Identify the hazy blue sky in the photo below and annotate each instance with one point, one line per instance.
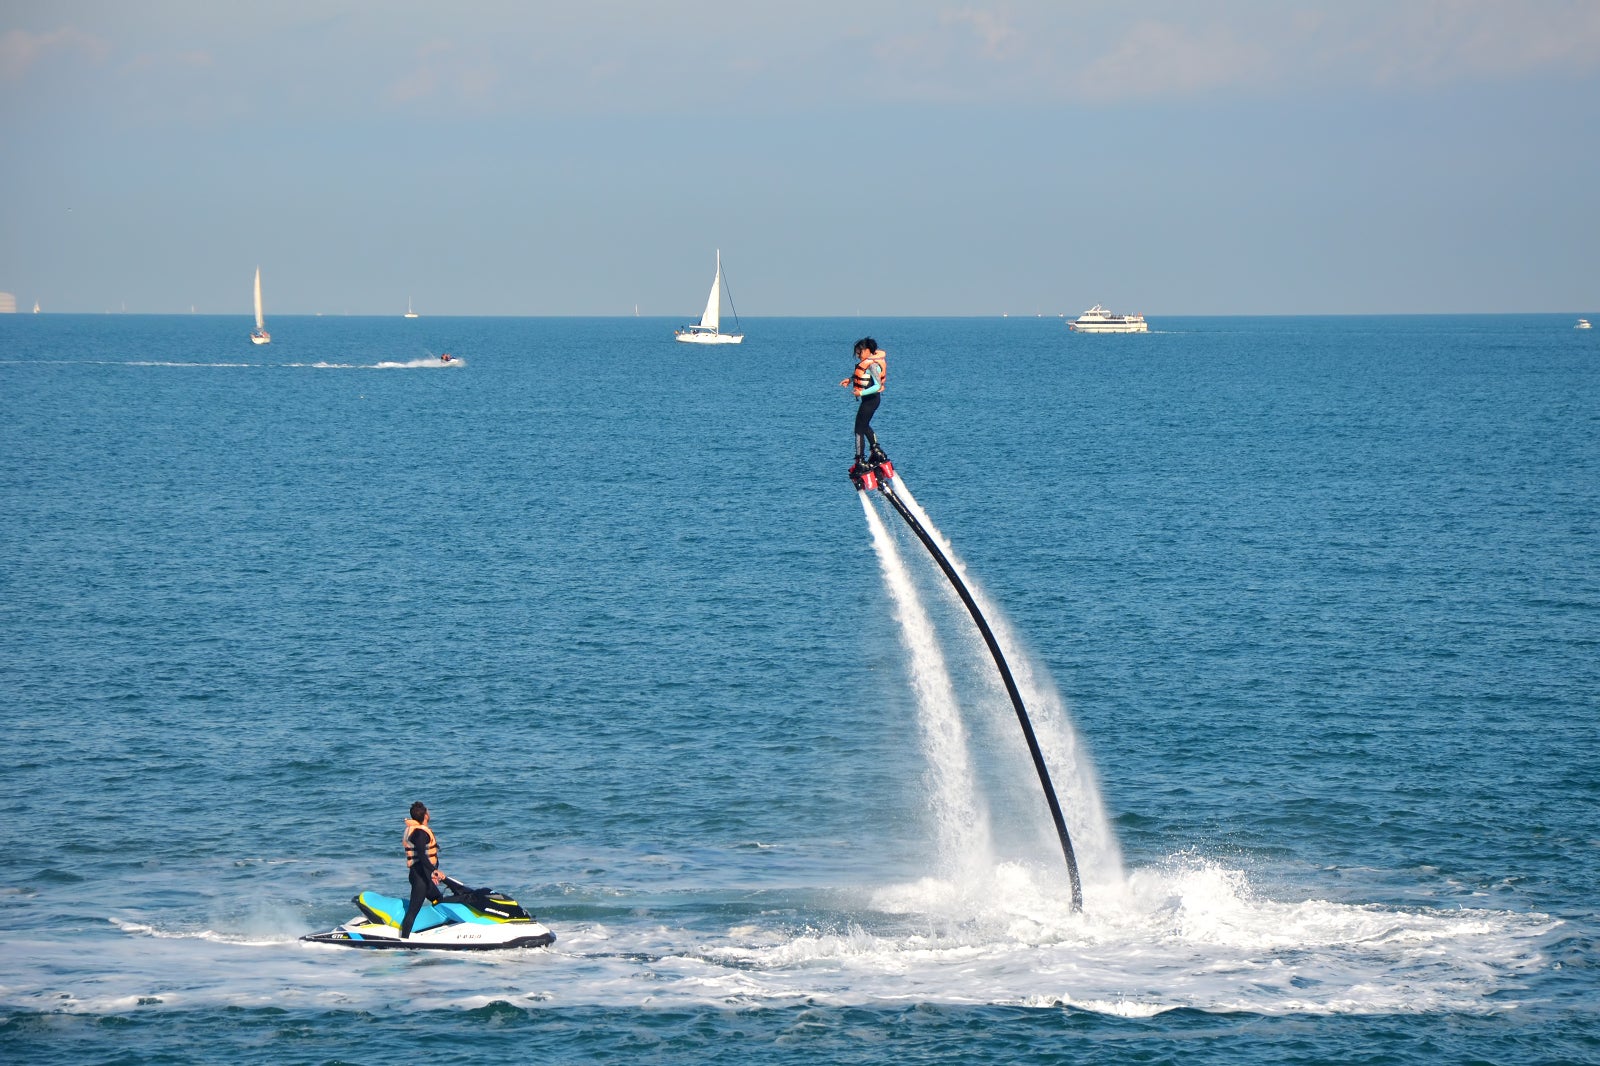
(882, 156)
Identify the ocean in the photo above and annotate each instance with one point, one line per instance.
(1305, 612)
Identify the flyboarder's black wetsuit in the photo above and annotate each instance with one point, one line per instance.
(422, 856)
(868, 380)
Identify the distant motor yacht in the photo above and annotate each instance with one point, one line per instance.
(1583, 323)
(1098, 320)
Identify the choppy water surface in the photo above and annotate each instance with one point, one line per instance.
(1306, 611)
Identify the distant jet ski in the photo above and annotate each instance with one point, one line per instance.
(469, 919)
(873, 473)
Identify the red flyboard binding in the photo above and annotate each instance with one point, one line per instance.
(872, 473)
(864, 476)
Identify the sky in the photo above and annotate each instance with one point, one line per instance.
(876, 157)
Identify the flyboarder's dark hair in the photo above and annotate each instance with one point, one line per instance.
(866, 344)
(418, 811)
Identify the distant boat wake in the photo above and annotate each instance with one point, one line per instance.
(418, 364)
(409, 364)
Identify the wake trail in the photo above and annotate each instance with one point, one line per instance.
(960, 822)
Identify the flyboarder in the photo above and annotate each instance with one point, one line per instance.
(867, 381)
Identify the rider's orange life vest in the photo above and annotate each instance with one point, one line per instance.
(433, 844)
(862, 379)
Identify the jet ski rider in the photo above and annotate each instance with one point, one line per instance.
(867, 381)
(422, 865)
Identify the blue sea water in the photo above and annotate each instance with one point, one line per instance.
(1307, 611)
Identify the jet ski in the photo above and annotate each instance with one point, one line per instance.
(873, 473)
(469, 919)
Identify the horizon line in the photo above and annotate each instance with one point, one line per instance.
(857, 314)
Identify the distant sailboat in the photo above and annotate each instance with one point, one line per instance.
(36, 307)
(259, 335)
(707, 331)
(409, 313)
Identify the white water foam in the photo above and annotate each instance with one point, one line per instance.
(961, 823)
(1072, 771)
(148, 362)
(1188, 933)
(409, 364)
(420, 364)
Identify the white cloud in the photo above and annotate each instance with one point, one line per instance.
(1441, 42)
(1021, 52)
(1359, 43)
(197, 59)
(1163, 59)
(444, 70)
(1000, 40)
(628, 56)
(20, 50)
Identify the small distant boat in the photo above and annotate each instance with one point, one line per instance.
(708, 330)
(36, 310)
(259, 335)
(1098, 320)
(1583, 323)
(409, 313)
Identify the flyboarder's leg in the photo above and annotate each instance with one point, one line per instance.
(865, 438)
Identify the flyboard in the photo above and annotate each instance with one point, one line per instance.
(469, 919)
(878, 474)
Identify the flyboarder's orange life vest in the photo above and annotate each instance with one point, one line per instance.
(433, 844)
(862, 379)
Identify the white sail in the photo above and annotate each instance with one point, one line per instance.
(712, 319)
(259, 335)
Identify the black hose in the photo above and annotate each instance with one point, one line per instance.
(1011, 690)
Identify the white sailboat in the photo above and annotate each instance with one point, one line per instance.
(259, 335)
(708, 330)
(409, 313)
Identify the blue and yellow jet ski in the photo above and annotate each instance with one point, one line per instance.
(469, 919)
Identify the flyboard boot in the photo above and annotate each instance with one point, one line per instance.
(881, 463)
(871, 471)
(863, 475)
